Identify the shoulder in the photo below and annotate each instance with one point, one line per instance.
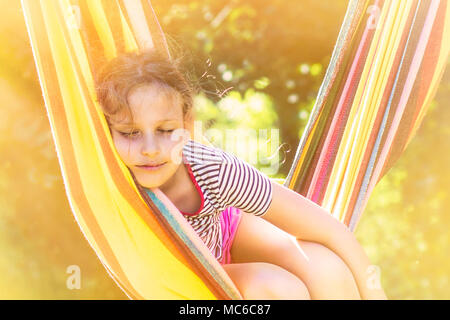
(205, 164)
(200, 154)
(234, 170)
(243, 186)
(196, 153)
(235, 182)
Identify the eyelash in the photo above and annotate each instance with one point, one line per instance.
(128, 135)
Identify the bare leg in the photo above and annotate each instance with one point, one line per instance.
(265, 281)
(325, 275)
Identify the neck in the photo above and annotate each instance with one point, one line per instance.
(172, 188)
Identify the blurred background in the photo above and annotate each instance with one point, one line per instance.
(269, 58)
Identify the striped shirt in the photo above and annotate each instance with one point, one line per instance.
(222, 180)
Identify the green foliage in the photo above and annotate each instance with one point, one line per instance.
(241, 124)
(258, 44)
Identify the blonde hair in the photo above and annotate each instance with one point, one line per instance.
(117, 77)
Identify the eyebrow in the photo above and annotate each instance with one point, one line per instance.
(127, 124)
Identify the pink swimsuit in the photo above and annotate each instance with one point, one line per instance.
(229, 221)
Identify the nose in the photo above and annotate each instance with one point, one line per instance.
(150, 146)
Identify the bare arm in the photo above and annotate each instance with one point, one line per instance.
(306, 220)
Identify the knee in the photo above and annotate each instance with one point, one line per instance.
(330, 271)
(272, 282)
(333, 269)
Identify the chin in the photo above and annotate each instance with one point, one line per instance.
(152, 181)
(149, 183)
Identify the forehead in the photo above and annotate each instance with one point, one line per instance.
(151, 104)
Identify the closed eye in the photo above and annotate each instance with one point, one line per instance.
(132, 134)
(128, 134)
(166, 131)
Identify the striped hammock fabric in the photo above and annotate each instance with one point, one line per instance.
(143, 241)
(383, 73)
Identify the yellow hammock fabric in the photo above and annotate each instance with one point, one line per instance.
(143, 241)
(151, 251)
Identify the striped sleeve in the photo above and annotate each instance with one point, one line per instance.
(243, 186)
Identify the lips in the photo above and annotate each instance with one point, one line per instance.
(151, 165)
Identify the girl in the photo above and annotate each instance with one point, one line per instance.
(273, 242)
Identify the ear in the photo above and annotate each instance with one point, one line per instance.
(189, 118)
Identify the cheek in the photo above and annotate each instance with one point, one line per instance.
(126, 150)
(174, 150)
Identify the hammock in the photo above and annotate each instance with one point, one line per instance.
(384, 71)
(383, 74)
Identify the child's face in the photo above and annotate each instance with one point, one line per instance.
(157, 136)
